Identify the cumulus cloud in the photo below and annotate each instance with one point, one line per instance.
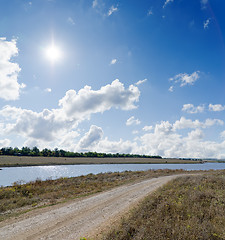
(87, 101)
(166, 141)
(216, 107)
(113, 61)
(141, 81)
(94, 141)
(112, 10)
(190, 108)
(185, 79)
(164, 128)
(53, 125)
(43, 126)
(132, 121)
(9, 87)
(4, 143)
(188, 123)
(167, 2)
(121, 146)
(206, 23)
(196, 134)
(90, 139)
(147, 128)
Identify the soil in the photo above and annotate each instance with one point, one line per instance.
(87, 217)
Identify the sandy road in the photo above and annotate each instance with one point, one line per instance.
(82, 217)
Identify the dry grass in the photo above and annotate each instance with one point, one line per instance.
(191, 207)
(18, 198)
(16, 161)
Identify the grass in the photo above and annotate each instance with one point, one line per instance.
(190, 207)
(19, 198)
(17, 161)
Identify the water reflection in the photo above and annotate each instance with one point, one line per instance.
(25, 174)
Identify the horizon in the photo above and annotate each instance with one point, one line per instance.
(114, 76)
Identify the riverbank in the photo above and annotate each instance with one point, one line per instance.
(191, 207)
(83, 217)
(19, 198)
(21, 161)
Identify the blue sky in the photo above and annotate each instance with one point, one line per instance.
(143, 77)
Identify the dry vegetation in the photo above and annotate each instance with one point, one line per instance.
(19, 198)
(16, 161)
(191, 207)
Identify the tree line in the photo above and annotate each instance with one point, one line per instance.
(26, 151)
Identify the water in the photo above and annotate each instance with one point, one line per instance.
(25, 174)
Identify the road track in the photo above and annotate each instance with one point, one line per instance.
(81, 218)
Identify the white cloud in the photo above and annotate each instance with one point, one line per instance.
(94, 3)
(216, 107)
(55, 124)
(48, 90)
(188, 123)
(222, 134)
(90, 139)
(166, 2)
(147, 128)
(93, 141)
(120, 146)
(4, 143)
(70, 20)
(171, 88)
(206, 23)
(9, 87)
(132, 121)
(67, 140)
(112, 10)
(196, 134)
(186, 79)
(150, 12)
(141, 81)
(87, 101)
(190, 108)
(113, 61)
(164, 128)
(135, 132)
(166, 141)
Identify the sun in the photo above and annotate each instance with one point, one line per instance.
(53, 53)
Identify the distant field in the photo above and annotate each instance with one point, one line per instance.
(13, 161)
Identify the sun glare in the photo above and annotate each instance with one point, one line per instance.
(53, 53)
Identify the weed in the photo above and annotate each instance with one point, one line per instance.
(49, 192)
(191, 207)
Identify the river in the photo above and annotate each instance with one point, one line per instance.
(26, 174)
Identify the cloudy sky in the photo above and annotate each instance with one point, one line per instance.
(125, 76)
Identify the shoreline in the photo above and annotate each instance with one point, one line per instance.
(24, 161)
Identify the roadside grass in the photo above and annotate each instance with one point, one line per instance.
(190, 207)
(20, 198)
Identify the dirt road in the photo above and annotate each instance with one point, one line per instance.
(82, 217)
